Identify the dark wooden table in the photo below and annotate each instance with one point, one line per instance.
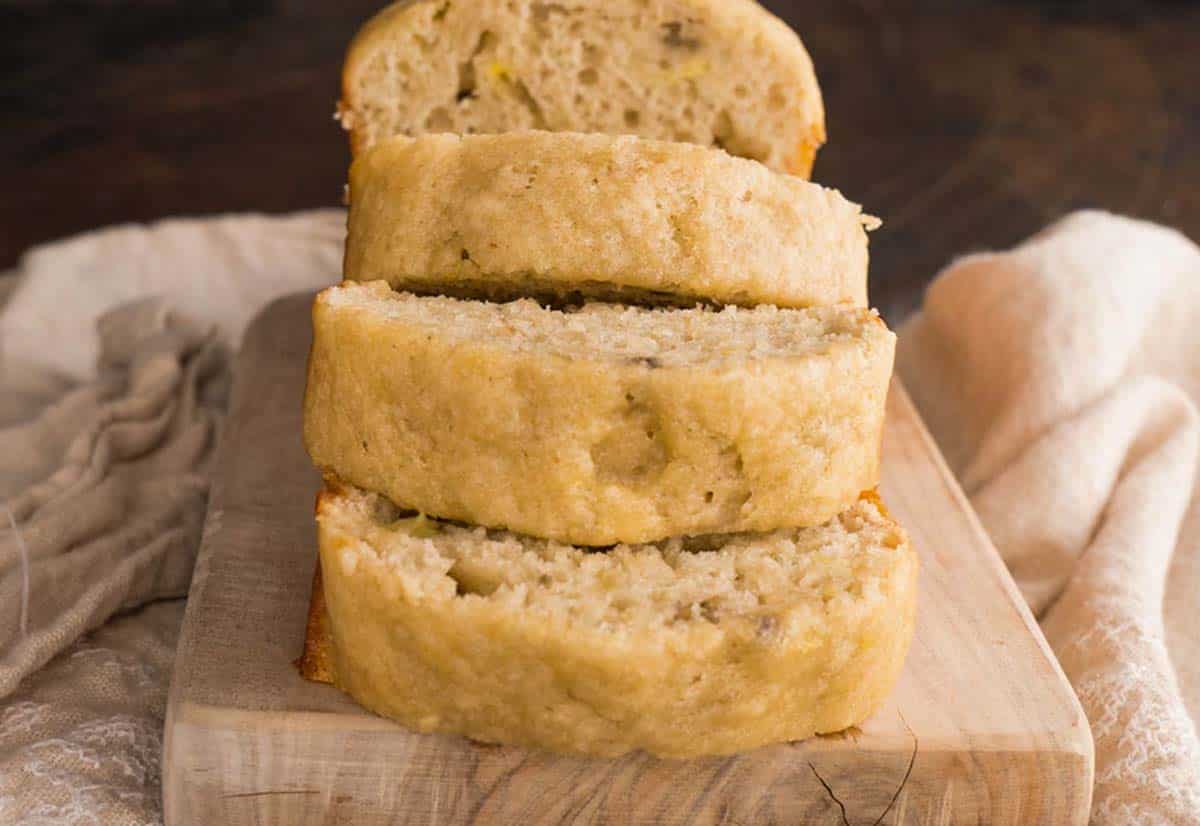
(963, 124)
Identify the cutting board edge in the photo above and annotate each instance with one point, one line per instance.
(233, 774)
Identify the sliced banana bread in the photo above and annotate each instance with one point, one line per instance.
(618, 218)
(599, 425)
(682, 648)
(714, 72)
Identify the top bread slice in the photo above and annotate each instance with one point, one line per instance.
(613, 218)
(721, 73)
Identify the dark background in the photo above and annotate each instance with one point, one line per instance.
(963, 124)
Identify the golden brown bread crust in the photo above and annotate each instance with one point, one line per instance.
(316, 661)
(806, 152)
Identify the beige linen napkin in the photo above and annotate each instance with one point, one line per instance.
(220, 271)
(113, 370)
(1061, 381)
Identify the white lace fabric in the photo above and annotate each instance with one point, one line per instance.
(81, 739)
(1061, 380)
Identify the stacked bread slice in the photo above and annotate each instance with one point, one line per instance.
(682, 647)
(599, 418)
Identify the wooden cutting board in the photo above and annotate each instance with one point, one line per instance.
(983, 727)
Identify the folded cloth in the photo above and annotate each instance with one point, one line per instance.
(1061, 380)
(113, 374)
(219, 271)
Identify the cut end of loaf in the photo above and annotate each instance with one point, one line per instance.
(722, 73)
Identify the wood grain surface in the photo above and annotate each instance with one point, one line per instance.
(965, 125)
(982, 727)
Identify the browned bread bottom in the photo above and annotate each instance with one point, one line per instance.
(316, 662)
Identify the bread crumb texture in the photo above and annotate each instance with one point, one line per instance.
(723, 73)
(602, 424)
(614, 218)
(685, 647)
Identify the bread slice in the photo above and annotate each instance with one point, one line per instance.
(599, 425)
(721, 73)
(556, 215)
(681, 648)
